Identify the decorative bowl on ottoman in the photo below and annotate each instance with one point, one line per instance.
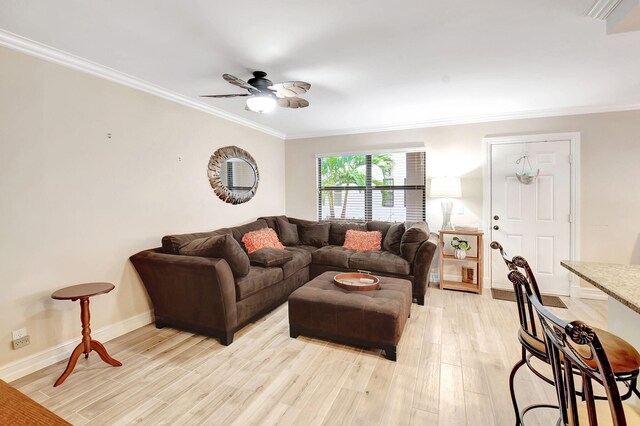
(373, 318)
(357, 281)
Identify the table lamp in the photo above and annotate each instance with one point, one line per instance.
(446, 188)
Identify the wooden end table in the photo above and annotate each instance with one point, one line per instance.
(478, 261)
(83, 292)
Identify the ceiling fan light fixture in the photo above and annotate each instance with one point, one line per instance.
(261, 104)
(264, 96)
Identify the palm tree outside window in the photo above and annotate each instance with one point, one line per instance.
(363, 187)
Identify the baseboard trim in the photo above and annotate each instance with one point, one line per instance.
(546, 293)
(575, 292)
(47, 357)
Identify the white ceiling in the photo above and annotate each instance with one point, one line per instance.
(372, 64)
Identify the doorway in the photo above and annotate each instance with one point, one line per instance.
(530, 206)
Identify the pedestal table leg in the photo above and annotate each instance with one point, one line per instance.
(87, 344)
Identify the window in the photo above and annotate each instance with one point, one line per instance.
(387, 186)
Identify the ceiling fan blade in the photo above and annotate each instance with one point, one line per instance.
(291, 89)
(225, 96)
(236, 81)
(293, 102)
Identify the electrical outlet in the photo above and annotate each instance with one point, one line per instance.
(21, 342)
(17, 334)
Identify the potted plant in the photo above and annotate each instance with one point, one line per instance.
(461, 247)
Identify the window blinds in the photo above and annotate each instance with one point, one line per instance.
(365, 187)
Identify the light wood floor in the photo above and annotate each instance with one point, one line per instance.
(453, 365)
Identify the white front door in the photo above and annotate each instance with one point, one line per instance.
(534, 220)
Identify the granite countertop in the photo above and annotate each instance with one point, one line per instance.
(622, 282)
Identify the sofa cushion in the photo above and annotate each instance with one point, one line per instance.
(363, 240)
(300, 259)
(296, 221)
(239, 231)
(258, 278)
(316, 234)
(339, 229)
(332, 256)
(256, 240)
(288, 232)
(269, 257)
(379, 261)
(272, 221)
(376, 225)
(412, 238)
(219, 246)
(171, 243)
(393, 238)
(310, 249)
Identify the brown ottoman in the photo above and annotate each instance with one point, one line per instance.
(362, 318)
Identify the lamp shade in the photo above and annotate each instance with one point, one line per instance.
(445, 187)
(261, 103)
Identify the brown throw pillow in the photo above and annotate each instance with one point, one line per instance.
(269, 257)
(272, 221)
(393, 238)
(316, 234)
(171, 243)
(220, 246)
(288, 232)
(411, 240)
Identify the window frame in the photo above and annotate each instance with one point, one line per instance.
(368, 188)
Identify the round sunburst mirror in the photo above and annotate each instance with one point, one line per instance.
(233, 175)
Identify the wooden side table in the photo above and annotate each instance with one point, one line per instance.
(83, 292)
(478, 261)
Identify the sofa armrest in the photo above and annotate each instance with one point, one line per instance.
(422, 264)
(189, 290)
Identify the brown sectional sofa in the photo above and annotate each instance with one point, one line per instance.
(202, 294)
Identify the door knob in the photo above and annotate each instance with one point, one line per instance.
(496, 217)
(496, 227)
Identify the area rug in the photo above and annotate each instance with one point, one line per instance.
(509, 295)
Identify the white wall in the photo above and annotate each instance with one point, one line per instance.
(610, 148)
(75, 204)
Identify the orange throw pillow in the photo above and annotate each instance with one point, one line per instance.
(255, 240)
(362, 240)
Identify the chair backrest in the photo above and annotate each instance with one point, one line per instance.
(562, 339)
(525, 310)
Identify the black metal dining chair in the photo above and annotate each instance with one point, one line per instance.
(575, 349)
(625, 359)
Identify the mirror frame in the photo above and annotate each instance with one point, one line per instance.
(215, 167)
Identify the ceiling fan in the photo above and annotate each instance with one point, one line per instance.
(263, 95)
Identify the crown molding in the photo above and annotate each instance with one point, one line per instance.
(601, 9)
(48, 53)
(453, 121)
